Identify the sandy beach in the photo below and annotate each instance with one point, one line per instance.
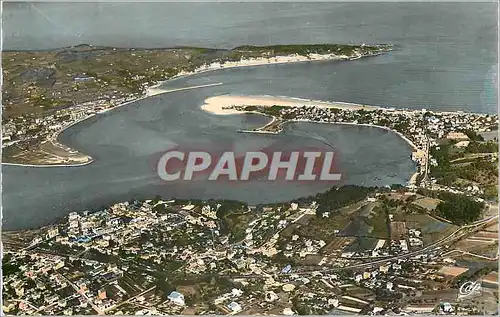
(217, 104)
(258, 61)
(294, 58)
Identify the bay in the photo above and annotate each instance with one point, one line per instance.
(444, 59)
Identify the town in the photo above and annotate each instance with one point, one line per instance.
(250, 158)
(31, 139)
(349, 250)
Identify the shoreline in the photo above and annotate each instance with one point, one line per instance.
(412, 180)
(364, 125)
(150, 92)
(261, 61)
(154, 90)
(219, 105)
(224, 105)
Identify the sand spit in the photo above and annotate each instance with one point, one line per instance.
(220, 104)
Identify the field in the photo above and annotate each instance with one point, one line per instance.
(378, 221)
(483, 249)
(362, 244)
(427, 203)
(398, 230)
(432, 229)
(37, 82)
(337, 245)
(323, 228)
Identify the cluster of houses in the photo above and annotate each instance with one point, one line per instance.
(30, 130)
(72, 267)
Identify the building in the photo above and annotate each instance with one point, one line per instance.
(102, 294)
(419, 309)
(287, 269)
(83, 78)
(234, 307)
(288, 312)
(177, 298)
(446, 307)
(384, 268)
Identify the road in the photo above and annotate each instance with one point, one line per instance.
(82, 293)
(426, 168)
(128, 300)
(453, 236)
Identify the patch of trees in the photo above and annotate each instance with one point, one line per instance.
(482, 147)
(491, 192)
(442, 156)
(273, 111)
(9, 268)
(473, 135)
(160, 209)
(337, 197)
(299, 307)
(225, 210)
(470, 169)
(459, 209)
(305, 49)
(230, 206)
(251, 108)
(163, 285)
